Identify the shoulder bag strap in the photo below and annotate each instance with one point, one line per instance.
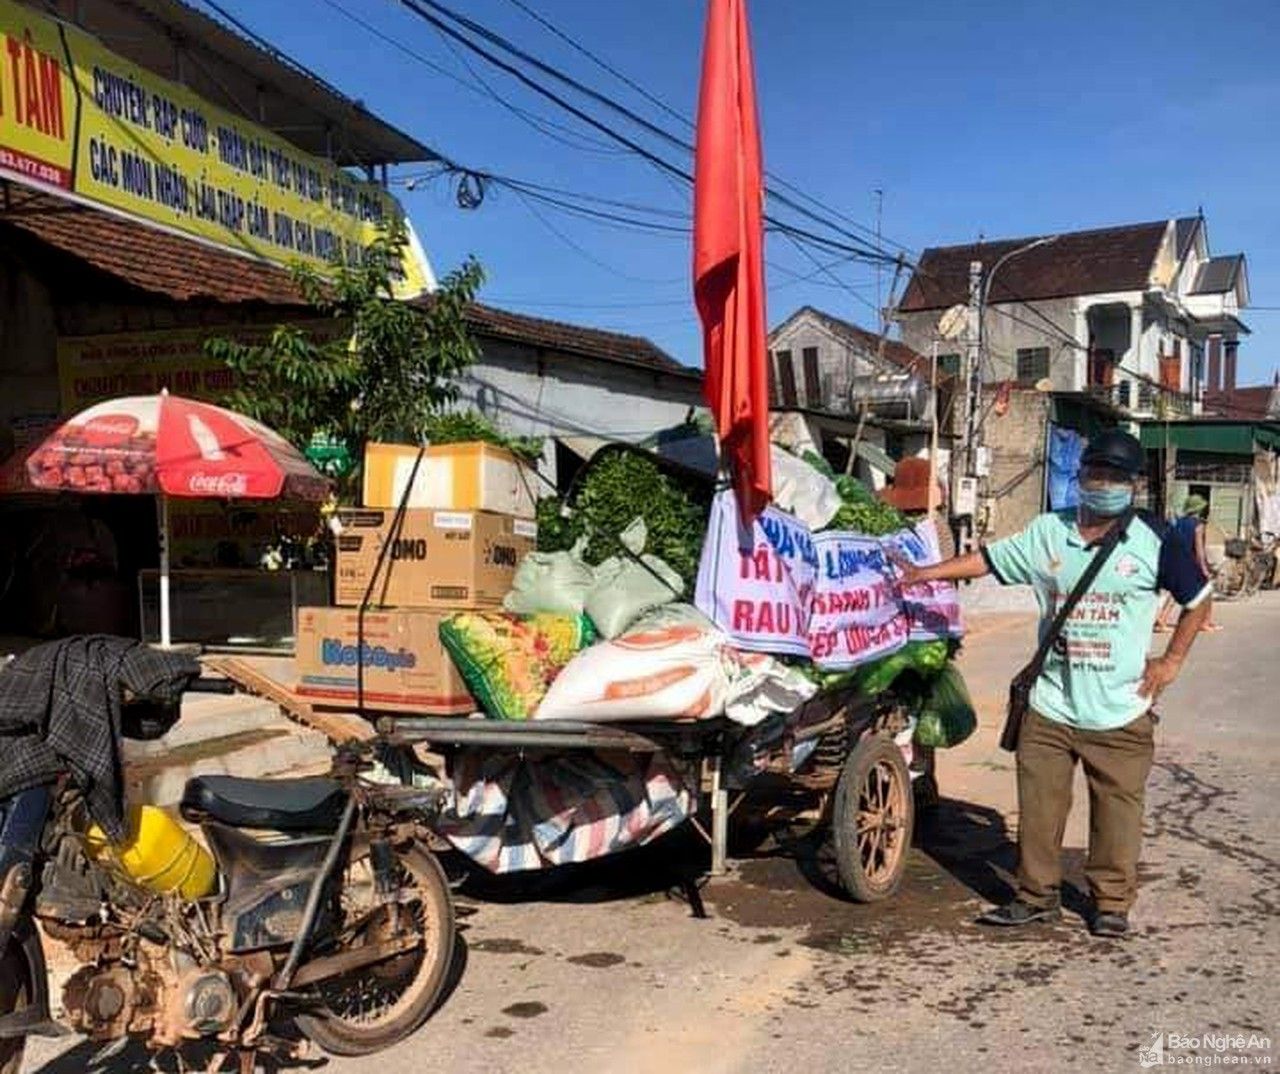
(1096, 564)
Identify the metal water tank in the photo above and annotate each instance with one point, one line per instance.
(900, 396)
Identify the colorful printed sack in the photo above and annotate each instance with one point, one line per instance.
(509, 661)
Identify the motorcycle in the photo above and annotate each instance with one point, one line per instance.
(319, 915)
(1249, 565)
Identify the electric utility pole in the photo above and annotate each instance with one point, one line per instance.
(973, 368)
(972, 405)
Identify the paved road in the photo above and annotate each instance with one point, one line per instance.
(611, 974)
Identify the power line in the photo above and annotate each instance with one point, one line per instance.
(603, 64)
(419, 8)
(684, 119)
(577, 247)
(549, 127)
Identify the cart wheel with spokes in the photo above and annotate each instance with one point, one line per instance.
(872, 819)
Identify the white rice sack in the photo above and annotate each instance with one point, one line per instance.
(624, 590)
(803, 491)
(669, 665)
(760, 685)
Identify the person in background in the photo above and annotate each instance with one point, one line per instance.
(1092, 703)
(1191, 528)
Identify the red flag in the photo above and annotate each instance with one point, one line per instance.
(728, 253)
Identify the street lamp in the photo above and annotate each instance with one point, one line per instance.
(978, 337)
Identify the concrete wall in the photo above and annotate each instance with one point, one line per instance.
(1005, 336)
(531, 393)
(1015, 488)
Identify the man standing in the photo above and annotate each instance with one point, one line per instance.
(1092, 702)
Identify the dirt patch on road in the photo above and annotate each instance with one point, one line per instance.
(963, 858)
(500, 945)
(598, 960)
(525, 1010)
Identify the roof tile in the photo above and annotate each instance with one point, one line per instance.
(1075, 263)
(181, 269)
(147, 258)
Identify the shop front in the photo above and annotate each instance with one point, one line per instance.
(1231, 464)
(144, 211)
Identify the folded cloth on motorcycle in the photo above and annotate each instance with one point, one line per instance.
(60, 712)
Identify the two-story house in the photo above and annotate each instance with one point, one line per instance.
(1079, 329)
(1141, 315)
(855, 387)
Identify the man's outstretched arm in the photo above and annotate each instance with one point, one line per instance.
(970, 565)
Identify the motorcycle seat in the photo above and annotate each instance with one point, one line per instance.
(281, 805)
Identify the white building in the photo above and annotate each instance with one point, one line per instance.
(575, 386)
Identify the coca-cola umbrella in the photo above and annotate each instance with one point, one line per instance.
(164, 445)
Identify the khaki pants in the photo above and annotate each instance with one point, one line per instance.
(1116, 764)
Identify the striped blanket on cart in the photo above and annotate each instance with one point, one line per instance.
(512, 814)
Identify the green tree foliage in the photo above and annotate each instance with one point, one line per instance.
(385, 379)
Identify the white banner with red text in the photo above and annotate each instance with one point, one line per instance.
(832, 597)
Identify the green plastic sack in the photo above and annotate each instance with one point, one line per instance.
(550, 583)
(509, 661)
(625, 590)
(948, 717)
(925, 657)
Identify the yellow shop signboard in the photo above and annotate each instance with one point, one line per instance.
(77, 118)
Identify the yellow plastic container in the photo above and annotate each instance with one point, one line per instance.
(157, 854)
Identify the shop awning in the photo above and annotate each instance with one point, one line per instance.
(1222, 437)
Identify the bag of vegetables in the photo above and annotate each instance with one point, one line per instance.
(947, 717)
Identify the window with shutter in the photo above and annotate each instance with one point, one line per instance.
(787, 378)
(812, 379)
(1033, 364)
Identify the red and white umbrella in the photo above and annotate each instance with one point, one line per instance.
(165, 445)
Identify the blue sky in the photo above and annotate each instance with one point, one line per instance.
(983, 118)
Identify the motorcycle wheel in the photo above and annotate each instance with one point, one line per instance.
(374, 1007)
(15, 994)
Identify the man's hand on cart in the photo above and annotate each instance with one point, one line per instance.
(908, 573)
(969, 565)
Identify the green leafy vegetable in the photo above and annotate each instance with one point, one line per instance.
(617, 490)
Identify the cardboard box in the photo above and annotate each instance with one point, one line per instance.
(450, 560)
(406, 667)
(452, 477)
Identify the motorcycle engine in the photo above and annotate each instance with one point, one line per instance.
(106, 1002)
(203, 1004)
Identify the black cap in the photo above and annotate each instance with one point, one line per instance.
(1115, 449)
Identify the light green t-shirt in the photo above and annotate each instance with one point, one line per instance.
(1091, 677)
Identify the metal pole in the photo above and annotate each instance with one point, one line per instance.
(719, 819)
(933, 433)
(973, 367)
(166, 626)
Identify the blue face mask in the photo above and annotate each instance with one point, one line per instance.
(1106, 502)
